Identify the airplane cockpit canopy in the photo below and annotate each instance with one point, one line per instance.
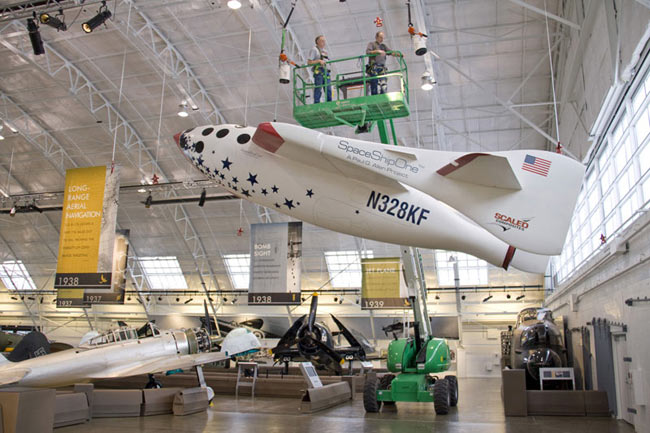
(124, 333)
(532, 313)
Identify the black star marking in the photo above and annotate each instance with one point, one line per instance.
(289, 203)
(264, 191)
(216, 172)
(277, 205)
(275, 189)
(222, 176)
(309, 193)
(226, 164)
(234, 179)
(245, 192)
(234, 188)
(252, 178)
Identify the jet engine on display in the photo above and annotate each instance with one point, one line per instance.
(121, 352)
(509, 208)
(308, 340)
(536, 342)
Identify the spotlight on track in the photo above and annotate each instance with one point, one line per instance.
(102, 15)
(463, 297)
(54, 21)
(508, 296)
(427, 81)
(12, 212)
(225, 300)
(487, 298)
(336, 299)
(234, 4)
(188, 301)
(159, 298)
(202, 198)
(437, 297)
(148, 201)
(234, 301)
(520, 297)
(35, 37)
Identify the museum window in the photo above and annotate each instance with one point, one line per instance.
(14, 276)
(163, 273)
(617, 182)
(471, 271)
(344, 267)
(238, 267)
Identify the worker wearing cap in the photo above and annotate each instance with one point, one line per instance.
(377, 63)
(318, 58)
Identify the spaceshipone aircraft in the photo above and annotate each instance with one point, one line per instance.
(123, 352)
(509, 208)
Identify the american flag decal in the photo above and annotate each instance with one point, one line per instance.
(536, 165)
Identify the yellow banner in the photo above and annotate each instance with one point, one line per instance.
(81, 222)
(380, 284)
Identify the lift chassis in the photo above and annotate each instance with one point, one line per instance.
(414, 362)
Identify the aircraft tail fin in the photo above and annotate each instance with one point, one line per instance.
(525, 198)
(32, 345)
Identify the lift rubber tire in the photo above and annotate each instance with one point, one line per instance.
(384, 383)
(370, 402)
(453, 390)
(441, 396)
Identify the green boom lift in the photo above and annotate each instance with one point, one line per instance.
(415, 363)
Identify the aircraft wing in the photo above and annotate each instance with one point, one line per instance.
(161, 365)
(13, 375)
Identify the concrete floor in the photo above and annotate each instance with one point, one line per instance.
(479, 410)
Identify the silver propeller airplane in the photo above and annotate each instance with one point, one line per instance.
(121, 352)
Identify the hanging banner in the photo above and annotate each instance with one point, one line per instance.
(276, 252)
(382, 284)
(87, 237)
(118, 278)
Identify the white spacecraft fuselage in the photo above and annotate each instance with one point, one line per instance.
(386, 193)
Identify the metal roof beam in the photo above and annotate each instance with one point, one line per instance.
(546, 13)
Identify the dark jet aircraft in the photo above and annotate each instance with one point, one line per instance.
(308, 340)
(537, 342)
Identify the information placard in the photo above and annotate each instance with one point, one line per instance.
(276, 254)
(382, 284)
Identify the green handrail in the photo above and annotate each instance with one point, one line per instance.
(301, 85)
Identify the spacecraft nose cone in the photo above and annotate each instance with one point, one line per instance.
(177, 139)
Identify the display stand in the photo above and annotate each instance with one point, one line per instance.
(318, 397)
(241, 377)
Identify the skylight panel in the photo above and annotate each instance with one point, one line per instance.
(14, 276)
(163, 273)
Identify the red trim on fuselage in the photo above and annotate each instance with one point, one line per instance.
(267, 137)
(463, 160)
(509, 255)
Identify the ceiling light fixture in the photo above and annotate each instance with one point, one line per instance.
(2, 137)
(234, 4)
(148, 201)
(102, 15)
(54, 21)
(520, 297)
(188, 301)
(35, 37)
(202, 198)
(427, 81)
(183, 112)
